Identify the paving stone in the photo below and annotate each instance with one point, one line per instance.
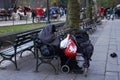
(102, 42)
(99, 56)
(5, 75)
(111, 51)
(62, 76)
(115, 60)
(28, 76)
(113, 47)
(112, 67)
(101, 48)
(111, 76)
(111, 60)
(90, 77)
(118, 56)
(118, 45)
(113, 42)
(97, 67)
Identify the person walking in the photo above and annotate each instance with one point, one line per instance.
(33, 15)
(111, 13)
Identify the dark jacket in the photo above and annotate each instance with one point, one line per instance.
(47, 35)
(33, 13)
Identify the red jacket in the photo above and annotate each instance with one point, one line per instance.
(39, 11)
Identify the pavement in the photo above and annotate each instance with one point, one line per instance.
(106, 40)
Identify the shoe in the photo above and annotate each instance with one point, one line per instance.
(113, 55)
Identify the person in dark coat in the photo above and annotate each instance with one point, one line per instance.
(33, 15)
(47, 35)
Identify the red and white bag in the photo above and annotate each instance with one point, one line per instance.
(63, 43)
(71, 48)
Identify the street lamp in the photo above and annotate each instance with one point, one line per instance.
(85, 3)
(48, 12)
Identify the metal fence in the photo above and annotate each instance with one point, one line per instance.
(24, 19)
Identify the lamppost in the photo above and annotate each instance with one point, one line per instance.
(85, 3)
(48, 12)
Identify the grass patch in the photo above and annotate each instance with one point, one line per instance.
(5, 29)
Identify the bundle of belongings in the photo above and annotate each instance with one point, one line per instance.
(78, 43)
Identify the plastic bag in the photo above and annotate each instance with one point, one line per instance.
(71, 49)
(63, 43)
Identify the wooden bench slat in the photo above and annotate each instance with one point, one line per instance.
(10, 50)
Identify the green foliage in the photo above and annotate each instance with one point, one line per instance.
(61, 3)
(108, 3)
(53, 2)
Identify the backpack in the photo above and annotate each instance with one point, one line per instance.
(84, 44)
(88, 50)
(81, 36)
(46, 50)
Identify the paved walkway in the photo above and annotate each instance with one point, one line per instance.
(106, 40)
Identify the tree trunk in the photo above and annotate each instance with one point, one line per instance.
(73, 14)
(89, 9)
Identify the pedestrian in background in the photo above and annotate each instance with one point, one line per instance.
(33, 15)
(111, 13)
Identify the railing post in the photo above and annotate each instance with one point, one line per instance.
(48, 12)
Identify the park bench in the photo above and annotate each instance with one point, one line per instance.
(89, 26)
(23, 42)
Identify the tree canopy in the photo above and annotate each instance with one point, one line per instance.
(108, 3)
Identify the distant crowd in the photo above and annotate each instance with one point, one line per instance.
(20, 13)
(109, 12)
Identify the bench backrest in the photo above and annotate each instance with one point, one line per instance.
(25, 37)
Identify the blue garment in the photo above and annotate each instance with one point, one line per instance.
(111, 11)
(54, 9)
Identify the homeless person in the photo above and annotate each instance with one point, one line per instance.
(47, 35)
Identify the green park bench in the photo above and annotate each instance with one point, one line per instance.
(23, 42)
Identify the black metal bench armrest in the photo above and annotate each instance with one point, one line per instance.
(7, 42)
(37, 42)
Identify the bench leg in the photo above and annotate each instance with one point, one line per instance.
(10, 59)
(46, 62)
(28, 50)
(37, 55)
(2, 67)
(37, 66)
(15, 63)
